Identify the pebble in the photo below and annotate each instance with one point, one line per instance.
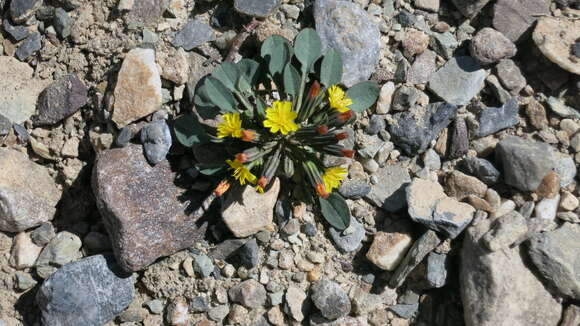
(482, 169)
(18, 33)
(296, 303)
(568, 202)
(250, 293)
(249, 254)
(309, 229)
(422, 68)
(62, 249)
(561, 109)
(203, 265)
(406, 97)
(510, 75)
(514, 18)
(444, 44)
(490, 46)
(505, 231)
(177, 312)
(156, 139)
(415, 42)
(389, 190)
(62, 23)
(537, 115)
(60, 100)
(24, 252)
(376, 124)
(460, 185)
(330, 299)
(257, 8)
(29, 46)
(492, 120)
(354, 189)
(21, 10)
(420, 249)
(405, 311)
(24, 281)
(389, 248)
(550, 186)
(436, 270)
(385, 98)
(218, 313)
(43, 234)
(155, 306)
(350, 239)
(458, 81)
(193, 34)
(547, 208)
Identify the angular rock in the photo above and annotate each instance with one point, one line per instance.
(193, 34)
(296, 303)
(389, 248)
(156, 139)
(451, 217)
(406, 97)
(561, 109)
(250, 293)
(248, 212)
(91, 291)
(348, 29)
(510, 75)
(389, 191)
(460, 186)
(555, 37)
(498, 289)
(354, 189)
(421, 248)
(24, 252)
(505, 231)
(5, 125)
(203, 265)
(482, 169)
(62, 23)
(470, 7)
(458, 81)
(330, 299)
(28, 194)
(256, 8)
(61, 250)
(513, 18)
(444, 44)
(348, 240)
(147, 12)
(490, 46)
(492, 120)
(249, 254)
(18, 33)
(459, 145)
(60, 100)
(21, 10)
(436, 270)
(423, 68)
(29, 46)
(138, 90)
(142, 207)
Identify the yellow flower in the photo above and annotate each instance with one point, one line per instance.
(338, 99)
(260, 189)
(241, 173)
(231, 126)
(332, 177)
(280, 117)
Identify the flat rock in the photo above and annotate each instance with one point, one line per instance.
(62, 249)
(18, 89)
(498, 289)
(389, 192)
(256, 8)
(29, 46)
(349, 239)
(60, 100)
(21, 10)
(347, 28)
(420, 249)
(138, 89)
(248, 212)
(490, 46)
(555, 37)
(18, 33)
(147, 12)
(142, 208)
(422, 68)
(556, 255)
(505, 231)
(28, 194)
(458, 81)
(91, 291)
(156, 139)
(193, 34)
(510, 75)
(389, 248)
(250, 293)
(513, 18)
(330, 299)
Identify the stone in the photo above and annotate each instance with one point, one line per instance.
(177, 312)
(482, 169)
(458, 81)
(203, 265)
(330, 299)
(415, 42)
(61, 250)
(138, 89)
(546, 209)
(296, 304)
(193, 34)
(385, 98)
(249, 254)
(175, 66)
(29, 46)
(444, 44)
(156, 139)
(571, 316)
(218, 313)
(561, 109)
(248, 212)
(60, 100)
(28, 194)
(525, 163)
(5, 125)
(537, 115)
(43, 234)
(24, 281)
(348, 29)
(376, 125)
(250, 294)
(414, 130)
(348, 240)
(141, 207)
(388, 192)
(470, 8)
(498, 289)
(420, 249)
(199, 304)
(21, 10)
(389, 248)
(513, 18)
(406, 97)
(460, 185)
(492, 120)
(555, 37)
(354, 189)
(490, 46)
(459, 145)
(147, 12)
(505, 231)
(436, 270)
(565, 168)
(18, 33)
(405, 311)
(431, 160)
(91, 291)
(62, 23)
(510, 75)
(497, 89)
(256, 8)
(18, 90)
(24, 252)
(422, 68)
(568, 202)
(429, 5)
(550, 186)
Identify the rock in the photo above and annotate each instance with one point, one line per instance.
(199, 304)
(556, 256)
(175, 66)
(510, 75)
(256, 8)
(525, 163)
(24, 281)
(492, 120)
(156, 139)
(29, 46)
(414, 130)
(537, 115)
(406, 97)
(470, 7)
(61, 250)
(513, 18)
(490, 46)
(482, 169)
(547, 208)
(444, 44)
(431, 160)
(429, 5)
(550, 186)
(62, 23)
(458, 81)
(421, 248)
(5, 125)
(389, 248)
(138, 89)
(568, 202)
(354, 189)
(498, 289)
(505, 231)
(423, 68)
(28, 194)
(562, 109)
(141, 208)
(193, 34)
(421, 202)
(565, 168)
(349, 239)
(405, 311)
(250, 294)
(555, 37)
(218, 313)
(571, 316)
(459, 145)
(348, 29)
(24, 252)
(296, 303)
(389, 190)
(43, 234)
(18, 33)
(330, 299)
(247, 212)
(436, 270)
(203, 265)
(249, 254)
(385, 98)
(18, 90)
(60, 100)
(415, 42)
(91, 291)
(376, 125)
(147, 12)
(177, 312)
(21, 10)
(460, 185)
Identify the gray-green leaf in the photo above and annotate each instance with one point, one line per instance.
(308, 48)
(335, 210)
(219, 95)
(189, 131)
(363, 95)
(291, 80)
(277, 52)
(228, 74)
(331, 69)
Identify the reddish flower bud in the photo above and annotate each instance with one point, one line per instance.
(263, 182)
(341, 136)
(347, 153)
(321, 191)
(322, 130)
(345, 116)
(221, 188)
(314, 90)
(242, 157)
(248, 135)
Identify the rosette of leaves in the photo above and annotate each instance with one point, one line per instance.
(278, 116)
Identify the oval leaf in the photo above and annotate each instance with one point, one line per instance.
(189, 131)
(308, 48)
(291, 80)
(219, 95)
(277, 52)
(363, 95)
(250, 69)
(228, 74)
(335, 211)
(331, 69)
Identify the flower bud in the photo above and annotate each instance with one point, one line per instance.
(221, 188)
(345, 116)
(242, 157)
(322, 130)
(347, 153)
(321, 190)
(263, 182)
(249, 135)
(341, 136)
(314, 90)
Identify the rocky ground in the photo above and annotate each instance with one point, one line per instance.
(463, 192)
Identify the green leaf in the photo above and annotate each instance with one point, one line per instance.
(250, 69)
(227, 73)
(335, 211)
(308, 48)
(363, 95)
(211, 170)
(288, 166)
(203, 105)
(291, 80)
(260, 107)
(219, 95)
(277, 52)
(189, 131)
(331, 69)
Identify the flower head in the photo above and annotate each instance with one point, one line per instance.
(241, 173)
(231, 126)
(332, 177)
(280, 117)
(338, 99)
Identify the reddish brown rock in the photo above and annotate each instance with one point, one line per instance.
(143, 209)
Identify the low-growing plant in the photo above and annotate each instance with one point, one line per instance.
(278, 116)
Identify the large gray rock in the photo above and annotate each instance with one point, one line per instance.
(28, 194)
(556, 255)
(458, 81)
(498, 289)
(513, 18)
(348, 29)
(330, 299)
(60, 100)
(144, 211)
(257, 8)
(389, 192)
(91, 291)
